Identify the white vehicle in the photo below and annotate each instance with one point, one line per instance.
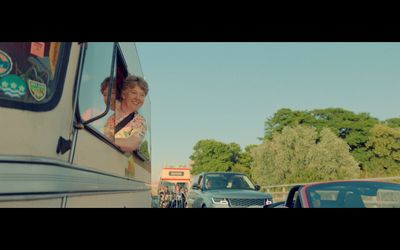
(173, 186)
(53, 151)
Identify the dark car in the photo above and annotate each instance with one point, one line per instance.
(343, 194)
(225, 190)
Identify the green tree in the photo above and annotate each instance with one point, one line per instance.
(384, 143)
(285, 117)
(211, 155)
(392, 122)
(301, 154)
(353, 128)
(245, 157)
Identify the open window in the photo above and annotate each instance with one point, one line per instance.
(103, 62)
(128, 64)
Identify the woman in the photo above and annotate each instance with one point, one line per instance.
(133, 94)
(97, 109)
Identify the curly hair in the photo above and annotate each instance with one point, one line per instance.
(132, 81)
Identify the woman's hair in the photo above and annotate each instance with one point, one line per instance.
(104, 84)
(104, 87)
(132, 81)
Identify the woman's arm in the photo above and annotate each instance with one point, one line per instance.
(133, 142)
(129, 144)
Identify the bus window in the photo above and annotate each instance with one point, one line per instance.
(96, 70)
(31, 74)
(145, 147)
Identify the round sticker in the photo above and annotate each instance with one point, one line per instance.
(5, 63)
(13, 86)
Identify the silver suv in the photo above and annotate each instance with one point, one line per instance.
(225, 190)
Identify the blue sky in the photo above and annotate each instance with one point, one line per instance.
(225, 91)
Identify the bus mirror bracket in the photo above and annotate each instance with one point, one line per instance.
(63, 145)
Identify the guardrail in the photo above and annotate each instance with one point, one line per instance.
(280, 192)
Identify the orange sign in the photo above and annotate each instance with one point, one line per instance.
(37, 49)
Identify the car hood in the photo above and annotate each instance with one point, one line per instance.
(237, 193)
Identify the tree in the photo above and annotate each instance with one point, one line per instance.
(245, 157)
(384, 143)
(353, 128)
(211, 155)
(285, 117)
(392, 122)
(301, 154)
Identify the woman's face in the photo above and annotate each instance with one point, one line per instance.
(133, 97)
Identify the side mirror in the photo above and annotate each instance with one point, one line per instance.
(257, 187)
(195, 187)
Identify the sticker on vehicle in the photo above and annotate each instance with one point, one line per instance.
(13, 86)
(37, 89)
(37, 49)
(5, 63)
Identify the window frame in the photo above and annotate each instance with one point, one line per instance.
(59, 77)
(117, 54)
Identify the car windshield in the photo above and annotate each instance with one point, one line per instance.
(354, 194)
(227, 181)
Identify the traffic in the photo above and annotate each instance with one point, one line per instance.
(236, 190)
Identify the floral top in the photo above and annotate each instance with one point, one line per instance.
(136, 127)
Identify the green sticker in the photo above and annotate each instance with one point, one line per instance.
(37, 89)
(13, 86)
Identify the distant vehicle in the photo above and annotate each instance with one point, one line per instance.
(225, 190)
(179, 176)
(173, 186)
(343, 194)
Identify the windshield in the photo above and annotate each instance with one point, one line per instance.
(227, 181)
(354, 194)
